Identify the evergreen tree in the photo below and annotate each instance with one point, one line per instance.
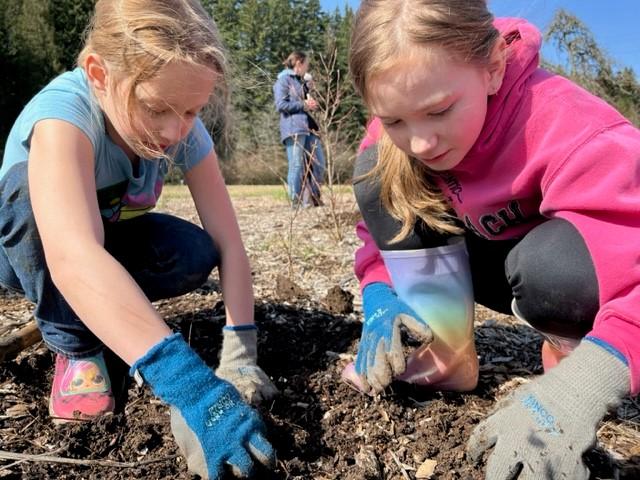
(28, 58)
(351, 107)
(259, 34)
(309, 26)
(70, 18)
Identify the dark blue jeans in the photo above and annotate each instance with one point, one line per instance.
(165, 255)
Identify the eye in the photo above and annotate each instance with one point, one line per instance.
(442, 112)
(391, 123)
(153, 112)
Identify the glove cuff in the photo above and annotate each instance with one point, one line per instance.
(592, 373)
(378, 289)
(239, 346)
(176, 374)
(375, 295)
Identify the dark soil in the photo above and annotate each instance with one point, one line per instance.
(320, 426)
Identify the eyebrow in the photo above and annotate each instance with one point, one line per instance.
(160, 102)
(444, 99)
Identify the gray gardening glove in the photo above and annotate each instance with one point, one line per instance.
(238, 364)
(544, 427)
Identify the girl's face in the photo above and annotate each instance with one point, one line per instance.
(433, 107)
(164, 107)
(301, 67)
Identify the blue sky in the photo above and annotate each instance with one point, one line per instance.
(615, 24)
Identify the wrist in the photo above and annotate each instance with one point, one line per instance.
(239, 345)
(378, 288)
(170, 365)
(239, 328)
(378, 293)
(590, 381)
(608, 347)
(591, 364)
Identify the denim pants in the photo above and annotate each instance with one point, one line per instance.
(306, 165)
(165, 255)
(549, 272)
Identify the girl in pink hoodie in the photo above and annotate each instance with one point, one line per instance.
(473, 144)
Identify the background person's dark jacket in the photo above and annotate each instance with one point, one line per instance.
(289, 93)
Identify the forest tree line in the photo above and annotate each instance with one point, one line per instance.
(41, 38)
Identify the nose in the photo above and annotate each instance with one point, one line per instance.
(422, 143)
(174, 130)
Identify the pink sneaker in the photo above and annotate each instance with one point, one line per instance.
(81, 389)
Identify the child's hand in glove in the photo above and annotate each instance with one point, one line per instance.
(544, 427)
(380, 354)
(238, 364)
(213, 427)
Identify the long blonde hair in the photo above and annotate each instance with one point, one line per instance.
(381, 31)
(139, 37)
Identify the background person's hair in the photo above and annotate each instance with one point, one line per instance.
(293, 58)
(136, 38)
(382, 31)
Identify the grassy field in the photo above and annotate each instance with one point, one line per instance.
(276, 192)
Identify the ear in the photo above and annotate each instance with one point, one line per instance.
(497, 66)
(97, 72)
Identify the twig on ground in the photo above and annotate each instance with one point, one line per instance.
(27, 457)
(11, 345)
(15, 464)
(400, 466)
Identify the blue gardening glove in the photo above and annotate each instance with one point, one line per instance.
(544, 427)
(238, 364)
(212, 426)
(380, 355)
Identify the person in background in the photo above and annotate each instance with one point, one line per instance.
(299, 132)
(83, 165)
(470, 137)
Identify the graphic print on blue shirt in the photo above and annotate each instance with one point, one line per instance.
(116, 202)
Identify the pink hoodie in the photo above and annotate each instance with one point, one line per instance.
(549, 149)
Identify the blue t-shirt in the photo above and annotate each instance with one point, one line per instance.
(122, 193)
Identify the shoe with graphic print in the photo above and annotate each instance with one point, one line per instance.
(81, 389)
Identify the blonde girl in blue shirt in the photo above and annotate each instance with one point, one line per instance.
(83, 165)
